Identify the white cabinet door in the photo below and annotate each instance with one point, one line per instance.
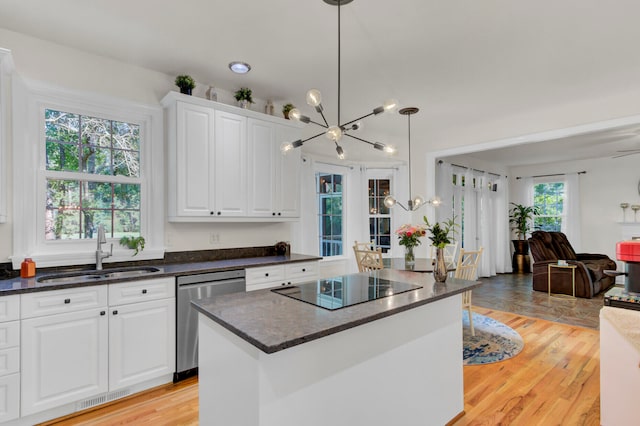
(64, 359)
(194, 155)
(141, 342)
(287, 187)
(230, 164)
(9, 397)
(262, 166)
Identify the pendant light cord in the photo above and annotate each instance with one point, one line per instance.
(409, 121)
(339, 25)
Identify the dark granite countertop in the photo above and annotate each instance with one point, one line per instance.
(25, 285)
(273, 322)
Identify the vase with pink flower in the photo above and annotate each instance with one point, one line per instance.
(409, 236)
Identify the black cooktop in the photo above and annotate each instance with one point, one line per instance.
(347, 290)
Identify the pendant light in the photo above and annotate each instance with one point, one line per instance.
(416, 202)
(335, 132)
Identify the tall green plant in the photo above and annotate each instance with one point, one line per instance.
(520, 218)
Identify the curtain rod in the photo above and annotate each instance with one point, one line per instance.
(554, 174)
(471, 168)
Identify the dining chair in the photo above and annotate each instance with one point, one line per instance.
(467, 269)
(368, 257)
(450, 251)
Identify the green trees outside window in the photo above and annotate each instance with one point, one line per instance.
(549, 199)
(93, 173)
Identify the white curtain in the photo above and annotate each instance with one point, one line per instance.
(571, 226)
(503, 238)
(479, 203)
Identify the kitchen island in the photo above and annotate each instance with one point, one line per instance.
(267, 359)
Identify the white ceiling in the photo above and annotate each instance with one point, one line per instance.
(459, 61)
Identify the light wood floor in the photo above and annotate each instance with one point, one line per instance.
(555, 380)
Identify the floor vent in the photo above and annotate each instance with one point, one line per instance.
(107, 397)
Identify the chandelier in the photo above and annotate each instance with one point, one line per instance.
(336, 132)
(416, 202)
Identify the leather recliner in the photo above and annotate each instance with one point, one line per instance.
(549, 247)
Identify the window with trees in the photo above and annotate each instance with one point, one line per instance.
(92, 176)
(379, 214)
(330, 219)
(549, 199)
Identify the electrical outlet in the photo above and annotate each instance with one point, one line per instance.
(214, 238)
(168, 239)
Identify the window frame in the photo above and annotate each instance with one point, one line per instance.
(29, 144)
(332, 172)
(382, 175)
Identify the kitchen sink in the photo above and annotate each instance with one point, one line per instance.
(89, 276)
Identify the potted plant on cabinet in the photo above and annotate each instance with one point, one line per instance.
(243, 95)
(186, 84)
(520, 218)
(285, 110)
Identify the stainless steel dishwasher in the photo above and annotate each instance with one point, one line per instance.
(194, 287)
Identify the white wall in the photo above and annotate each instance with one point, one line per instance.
(68, 68)
(607, 183)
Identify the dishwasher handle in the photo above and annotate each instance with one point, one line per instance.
(210, 277)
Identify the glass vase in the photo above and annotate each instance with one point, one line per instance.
(409, 257)
(440, 266)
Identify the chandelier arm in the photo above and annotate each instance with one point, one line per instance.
(326, 126)
(398, 203)
(360, 139)
(358, 119)
(319, 124)
(312, 137)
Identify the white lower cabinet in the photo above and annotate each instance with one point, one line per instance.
(9, 358)
(141, 342)
(64, 359)
(79, 357)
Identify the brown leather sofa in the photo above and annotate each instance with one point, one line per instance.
(549, 247)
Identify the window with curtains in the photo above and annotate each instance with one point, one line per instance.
(549, 198)
(329, 191)
(379, 214)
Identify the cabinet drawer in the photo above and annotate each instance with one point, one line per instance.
(66, 300)
(9, 334)
(141, 291)
(10, 307)
(300, 272)
(9, 361)
(265, 274)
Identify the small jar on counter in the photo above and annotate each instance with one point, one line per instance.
(27, 268)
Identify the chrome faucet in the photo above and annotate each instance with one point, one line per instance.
(102, 239)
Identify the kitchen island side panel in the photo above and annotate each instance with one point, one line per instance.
(402, 369)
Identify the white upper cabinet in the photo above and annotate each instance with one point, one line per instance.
(195, 131)
(274, 179)
(262, 168)
(287, 187)
(230, 172)
(224, 163)
(6, 68)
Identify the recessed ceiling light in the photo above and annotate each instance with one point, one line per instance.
(239, 67)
